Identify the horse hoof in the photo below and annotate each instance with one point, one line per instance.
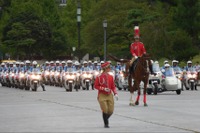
(131, 104)
(145, 104)
(136, 103)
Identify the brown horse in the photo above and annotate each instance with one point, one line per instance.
(139, 73)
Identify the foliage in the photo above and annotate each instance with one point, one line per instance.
(168, 28)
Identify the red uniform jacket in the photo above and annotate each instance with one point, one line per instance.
(105, 80)
(137, 49)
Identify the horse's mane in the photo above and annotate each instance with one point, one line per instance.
(117, 59)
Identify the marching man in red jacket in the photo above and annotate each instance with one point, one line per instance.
(105, 85)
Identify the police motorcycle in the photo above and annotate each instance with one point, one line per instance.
(16, 75)
(69, 80)
(78, 70)
(198, 77)
(1, 73)
(51, 73)
(154, 84)
(57, 74)
(35, 80)
(86, 77)
(21, 80)
(191, 79)
(35, 77)
(5, 78)
(169, 80)
(46, 73)
(121, 80)
(11, 75)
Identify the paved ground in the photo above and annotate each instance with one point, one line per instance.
(58, 111)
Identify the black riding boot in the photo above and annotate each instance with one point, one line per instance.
(43, 87)
(105, 119)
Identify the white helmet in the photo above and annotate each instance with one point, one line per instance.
(51, 62)
(27, 62)
(21, 63)
(69, 61)
(189, 62)
(46, 62)
(84, 62)
(77, 63)
(63, 62)
(156, 62)
(167, 65)
(118, 63)
(166, 61)
(102, 62)
(57, 62)
(95, 62)
(17, 63)
(34, 63)
(89, 61)
(11, 63)
(2, 63)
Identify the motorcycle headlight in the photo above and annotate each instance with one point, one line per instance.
(194, 76)
(96, 73)
(85, 75)
(189, 76)
(35, 77)
(21, 75)
(47, 73)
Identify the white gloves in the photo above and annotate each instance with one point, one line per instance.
(116, 97)
(107, 89)
(136, 57)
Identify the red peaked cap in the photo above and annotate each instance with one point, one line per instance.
(105, 65)
(136, 32)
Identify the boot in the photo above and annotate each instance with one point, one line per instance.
(105, 119)
(43, 87)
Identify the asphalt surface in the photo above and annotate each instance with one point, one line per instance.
(56, 110)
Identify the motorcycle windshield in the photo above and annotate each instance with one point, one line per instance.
(86, 69)
(169, 72)
(70, 70)
(177, 70)
(156, 67)
(192, 70)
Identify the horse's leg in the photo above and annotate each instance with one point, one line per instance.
(144, 93)
(131, 100)
(138, 96)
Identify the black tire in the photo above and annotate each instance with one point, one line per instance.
(192, 86)
(87, 85)
(149, 91)
(155, 92)
(117, 84)
(178, 92)
(34, 87)
(70, 87)
(195, 87)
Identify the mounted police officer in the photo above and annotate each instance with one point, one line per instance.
(137, 49)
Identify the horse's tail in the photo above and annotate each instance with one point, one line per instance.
(118, 60)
